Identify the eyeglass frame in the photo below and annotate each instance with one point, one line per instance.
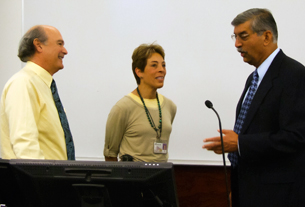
(246, 35)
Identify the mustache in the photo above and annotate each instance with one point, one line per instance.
(241, 50)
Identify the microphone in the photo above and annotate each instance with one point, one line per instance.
(210, 106)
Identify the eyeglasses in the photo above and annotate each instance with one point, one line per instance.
(243, 36)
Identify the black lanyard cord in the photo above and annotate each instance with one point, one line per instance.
(149, 117)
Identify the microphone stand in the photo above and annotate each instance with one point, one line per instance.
(210, 105)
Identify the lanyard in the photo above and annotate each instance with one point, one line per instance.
(149, 117)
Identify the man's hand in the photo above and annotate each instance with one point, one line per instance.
(230, 140)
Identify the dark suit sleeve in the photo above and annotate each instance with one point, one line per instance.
(277, 127)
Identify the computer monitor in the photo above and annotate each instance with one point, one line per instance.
(46, 183)
(8, 186)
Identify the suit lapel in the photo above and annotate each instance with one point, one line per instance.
(264, 87)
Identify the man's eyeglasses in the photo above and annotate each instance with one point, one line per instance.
(243, 36)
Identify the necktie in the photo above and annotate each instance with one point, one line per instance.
(64, 122)
(233, 156)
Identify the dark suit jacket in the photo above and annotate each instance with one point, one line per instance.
(271, 169)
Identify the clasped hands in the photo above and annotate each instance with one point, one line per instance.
(230, 142)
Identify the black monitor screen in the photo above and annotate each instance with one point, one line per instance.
(9, 191)
(46, 183)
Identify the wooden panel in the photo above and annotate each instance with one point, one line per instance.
(202, 186)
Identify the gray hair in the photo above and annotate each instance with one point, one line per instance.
(26, 47)
(262, 20)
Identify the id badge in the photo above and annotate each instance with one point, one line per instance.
(160, 147)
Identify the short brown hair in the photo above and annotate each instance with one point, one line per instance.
(140, 56)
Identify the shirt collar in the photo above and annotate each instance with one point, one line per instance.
(262, 69)
(41, 72)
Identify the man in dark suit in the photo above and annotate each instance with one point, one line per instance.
(267, 146)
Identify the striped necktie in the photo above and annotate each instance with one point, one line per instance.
(64, 123)
(233, 156)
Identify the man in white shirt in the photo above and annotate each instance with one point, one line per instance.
(266, 148)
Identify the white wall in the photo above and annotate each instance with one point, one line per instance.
(10, 34)
(202, 62)
(10, 28)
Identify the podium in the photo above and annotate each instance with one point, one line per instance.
(201, 185)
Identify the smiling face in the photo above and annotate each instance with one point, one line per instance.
(249, 44)
(154, 72)
(53, 50)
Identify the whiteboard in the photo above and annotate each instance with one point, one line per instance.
(202, 62)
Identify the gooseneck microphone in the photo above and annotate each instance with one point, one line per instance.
(210, 106)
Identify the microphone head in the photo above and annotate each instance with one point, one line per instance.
(209, 104)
